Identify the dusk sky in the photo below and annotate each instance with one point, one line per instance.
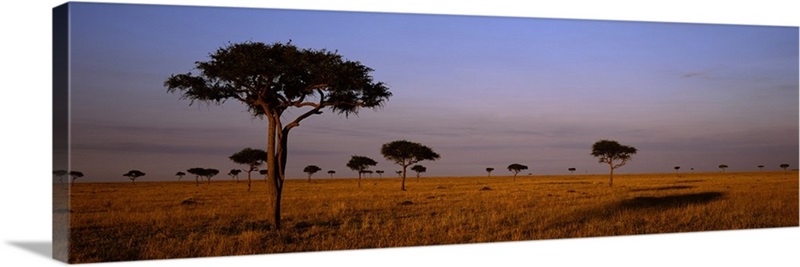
(481, 91)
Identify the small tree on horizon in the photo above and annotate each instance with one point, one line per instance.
(197, 172)
(180, 175)
(418, 169)
(723, 167)
(571, 170)
(60, 174)
(252, 158)
(133, 174)
(405, 153)
(516, 168)
(331, 172)
(784, 167)
(360, 164)
(399, 174)
(380, 173)
(676, 169)
(761, 167)
(311, 170)
(609, 151)
(75, 175)
(234, 174)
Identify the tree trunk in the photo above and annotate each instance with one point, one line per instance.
(197, 181)
(273, 193)
(611, 177)
(403, 184)
(249, 182)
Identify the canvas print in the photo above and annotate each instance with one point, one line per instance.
(187, 131)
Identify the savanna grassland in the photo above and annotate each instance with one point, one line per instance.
(157, 220)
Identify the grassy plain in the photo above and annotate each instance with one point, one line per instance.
(158, 220)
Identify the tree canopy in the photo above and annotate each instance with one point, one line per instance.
(271, 78)
(419, 169)
(406, 153)
(253, 158)
(612, 153)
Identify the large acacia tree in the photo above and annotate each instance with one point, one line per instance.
(405, 153)
(272, 78)
(612, 153)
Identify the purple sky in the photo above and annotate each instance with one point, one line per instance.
(481, 91)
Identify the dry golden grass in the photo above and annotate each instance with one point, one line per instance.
(157, 220)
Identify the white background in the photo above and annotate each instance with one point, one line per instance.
(25, 226)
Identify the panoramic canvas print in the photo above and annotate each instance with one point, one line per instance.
(187, 131)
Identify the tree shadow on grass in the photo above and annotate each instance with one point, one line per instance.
(670, 201)
(608, 212)
(663, 188)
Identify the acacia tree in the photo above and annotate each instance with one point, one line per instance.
(180, 175)
(405, 153)
(571, 170)
(75, 175)
(609, 152)
(418, 169)
(761, 167)
(489, 172)
(516, 168)
(234, 174)
(360, 164)
(399, 174)
(723, 167)
(251, 157)
(311, 170)
(197, 172)
(368, 172)
(208, 173)
(331, 172)
(60, 174)
(271, 78)
(784, 166)
(676, 169)
(133, 174)
(380, 173)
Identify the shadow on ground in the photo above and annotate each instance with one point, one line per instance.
(41, 248)
(675, 187)
(670, 201)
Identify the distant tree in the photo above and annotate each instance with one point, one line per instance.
(133, 174)
(723, 167)
(761, 167)
(380, 173)
(571, 170)
(360, 164)
(489, 172)
(676, 169)
(399, 173)
(75, 175)
(60, 174)
(406, 153)
(252, 158)
(234, 174)
(311, 170)
(180, 175)
(608, 151)
(208, 173)
(273, 78)
(368, 172)
(784, 166)
(263, 172)
(331, 172)
(197, 172)
(418, 169)
(516, 168)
